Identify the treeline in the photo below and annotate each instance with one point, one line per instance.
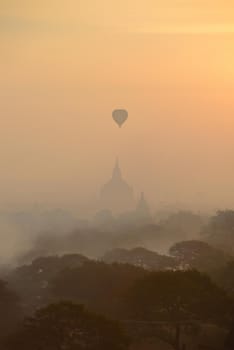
(183, 300)
(41, 307)
(95, 239)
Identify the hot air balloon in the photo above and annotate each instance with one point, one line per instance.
(120, 116)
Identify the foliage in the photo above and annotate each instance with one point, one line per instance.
(224, 277)
(11, 312)
(220, 230)
(198, 255)
(31, 281)
(230, 338)
(97, 285)
(140, 257)
(67, 326)
(222, 221)
(182, 224)
(177, 297)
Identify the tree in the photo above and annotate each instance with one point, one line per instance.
(11, 312)
(182, 225)
(97, 285)
(177, 298)
(220, 230)
(224, 277)
(199, 255)
(230, 338)
(222, 221)
(67, 326)
(140, 257)
(31, 282)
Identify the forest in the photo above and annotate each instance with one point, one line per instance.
(128, 298)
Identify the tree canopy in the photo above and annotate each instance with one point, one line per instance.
(67, 326)
(199, 255)
(177, 296)
(98, 285)
(220, 230)
(11, 312)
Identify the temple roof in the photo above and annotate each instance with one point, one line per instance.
(116, 193)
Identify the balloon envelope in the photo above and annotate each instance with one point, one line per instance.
(120, 116)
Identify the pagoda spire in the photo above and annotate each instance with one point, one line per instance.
(142, 206)
(116, 171)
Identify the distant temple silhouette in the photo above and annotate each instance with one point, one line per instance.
(142, 209)
(116, 195)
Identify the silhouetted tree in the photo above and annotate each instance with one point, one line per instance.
(177, 298)
(140, 257)
(67, 326)
(98, 285)
(222, 221)
(220, 230)
(183, 225)
(224, 277)
(10, 308)
(31, 282)
(229, 345)
(198, 255)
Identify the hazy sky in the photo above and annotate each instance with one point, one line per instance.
(64, 65)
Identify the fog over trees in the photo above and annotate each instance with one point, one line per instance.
(166, 282)
(116, 180)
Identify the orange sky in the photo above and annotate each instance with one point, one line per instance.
(64, 66)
